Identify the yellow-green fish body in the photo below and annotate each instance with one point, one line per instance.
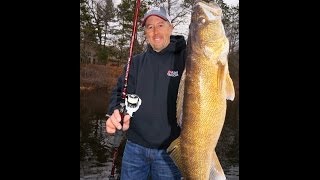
(204, 89)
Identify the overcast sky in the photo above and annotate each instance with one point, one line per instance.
(231, 2)
(182, 29)
(228, 2)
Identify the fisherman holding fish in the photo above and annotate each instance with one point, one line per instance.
(172, 79)
(154, 77)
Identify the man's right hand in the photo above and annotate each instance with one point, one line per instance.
(113, 122)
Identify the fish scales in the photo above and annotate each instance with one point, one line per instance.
(204, 89)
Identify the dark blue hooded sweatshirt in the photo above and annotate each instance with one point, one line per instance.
(154, 77)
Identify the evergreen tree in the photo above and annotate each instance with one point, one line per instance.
(87, 30)
(125, 15)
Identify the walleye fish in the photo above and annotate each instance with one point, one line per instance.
(204, 88)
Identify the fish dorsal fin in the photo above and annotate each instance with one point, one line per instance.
(180, 98)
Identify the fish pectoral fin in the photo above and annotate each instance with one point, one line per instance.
(216, 171)
(221, 76)
(225, 81)
(230, 88)
(174, 152)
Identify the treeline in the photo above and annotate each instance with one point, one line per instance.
(106, 29)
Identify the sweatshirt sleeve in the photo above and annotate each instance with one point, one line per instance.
(115, 98)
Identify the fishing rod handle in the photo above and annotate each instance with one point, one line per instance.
(119, 133)
(117, 138)
(131, 105)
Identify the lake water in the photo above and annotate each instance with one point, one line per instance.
(96, 146)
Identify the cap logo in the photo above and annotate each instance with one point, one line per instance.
(154, 9)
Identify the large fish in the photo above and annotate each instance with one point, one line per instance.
(204, 89)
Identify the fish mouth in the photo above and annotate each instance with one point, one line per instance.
(211, 10)
(206, 20)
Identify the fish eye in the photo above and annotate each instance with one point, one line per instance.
(201, 20)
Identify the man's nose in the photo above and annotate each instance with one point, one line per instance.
(155, 30)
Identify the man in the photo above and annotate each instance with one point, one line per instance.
(154, 76)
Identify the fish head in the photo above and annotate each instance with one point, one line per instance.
(208, 47)
(206, 32)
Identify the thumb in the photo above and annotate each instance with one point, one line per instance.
(126, 122)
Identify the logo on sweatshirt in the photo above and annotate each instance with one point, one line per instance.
(172, 73)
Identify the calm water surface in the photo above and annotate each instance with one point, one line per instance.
(96, 146)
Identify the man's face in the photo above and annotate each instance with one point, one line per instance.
(157, 32)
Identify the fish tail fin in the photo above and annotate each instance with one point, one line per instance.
(230, 88)
(216, 171)
(174, 152)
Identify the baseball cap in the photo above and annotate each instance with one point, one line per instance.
(156, 11)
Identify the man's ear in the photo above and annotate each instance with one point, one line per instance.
(171, 27)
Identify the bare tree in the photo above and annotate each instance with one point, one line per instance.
(233, 29)
(178, 12)
(106, 10)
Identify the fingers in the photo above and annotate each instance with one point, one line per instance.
(110, 127)
(126, 122)
(113, 122)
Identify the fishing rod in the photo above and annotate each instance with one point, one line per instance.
(131, 101)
